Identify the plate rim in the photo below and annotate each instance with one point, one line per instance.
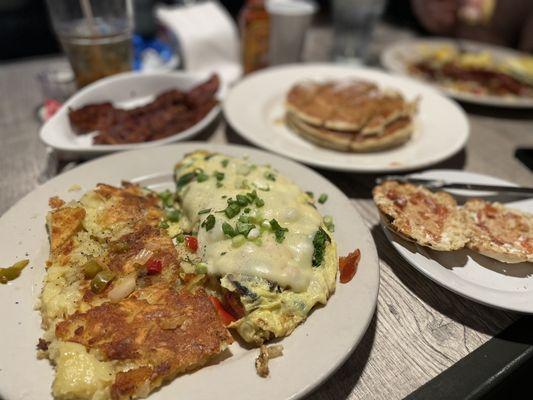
(450, 286)
(230, 118)
(373, 270)
(45, 135)
(389, 61)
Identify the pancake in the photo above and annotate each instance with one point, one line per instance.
(349, 105)
(341, 114)
(395, 134)
(315, 102)
(429, 219)
(499, 232)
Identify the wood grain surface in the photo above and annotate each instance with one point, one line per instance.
(419, 328)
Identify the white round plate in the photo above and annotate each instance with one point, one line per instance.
(476, 277)
(398, 56)
(126, 90)
(311, 353)
(255, 109)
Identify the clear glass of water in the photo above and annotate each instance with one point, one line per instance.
(95, 35)
(353, 24)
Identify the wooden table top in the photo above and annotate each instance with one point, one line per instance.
(419, 328)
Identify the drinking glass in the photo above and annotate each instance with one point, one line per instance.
(353, 24)
(289, 22)
(95, 35)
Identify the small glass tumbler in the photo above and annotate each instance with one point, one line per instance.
(353, 24)
(95, 35)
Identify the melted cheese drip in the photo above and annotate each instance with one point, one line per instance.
(287, 263)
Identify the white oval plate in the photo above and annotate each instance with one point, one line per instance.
(397, 57)
(476, 277)
(126, 90)
(255, 109)
(311, 353)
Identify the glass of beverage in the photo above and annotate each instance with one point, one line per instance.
(289, 22)
(353, 24)
(95, 35)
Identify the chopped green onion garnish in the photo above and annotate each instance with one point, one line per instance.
(185, 179)
(279, 232)
(244, 218)
(204, 211)
(200, 268)
(328, 221)
(270, 176)
(242, 200)
(319, 243)
(219, 175)
(202, 177)
(244, 228)
(209, 222)
(180, 238)
(163, 224)
(224, 163)
(232, 210)
(310, 194)
(173, 215)
(259, 202)
(228, 229)
(323, 198)
(238, 240)
(166, 198)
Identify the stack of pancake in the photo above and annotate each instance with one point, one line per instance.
(349, 115)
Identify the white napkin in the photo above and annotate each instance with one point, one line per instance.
(208, 38)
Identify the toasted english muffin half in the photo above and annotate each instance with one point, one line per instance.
(429, 219)
(395, 134)
(499, 232)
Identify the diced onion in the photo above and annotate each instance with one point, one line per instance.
(254, 233)
(142, 257)
(122, 288)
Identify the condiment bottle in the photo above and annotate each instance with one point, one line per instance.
(254, 26)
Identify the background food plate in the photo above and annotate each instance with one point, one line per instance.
(126, 90)
(476, 277)
(397, 57)
(311, 353)
(255, 109)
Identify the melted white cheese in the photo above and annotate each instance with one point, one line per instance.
(287, 263)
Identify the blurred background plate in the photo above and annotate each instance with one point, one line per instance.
(126, 90)
(255, 109)
(398, 56)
